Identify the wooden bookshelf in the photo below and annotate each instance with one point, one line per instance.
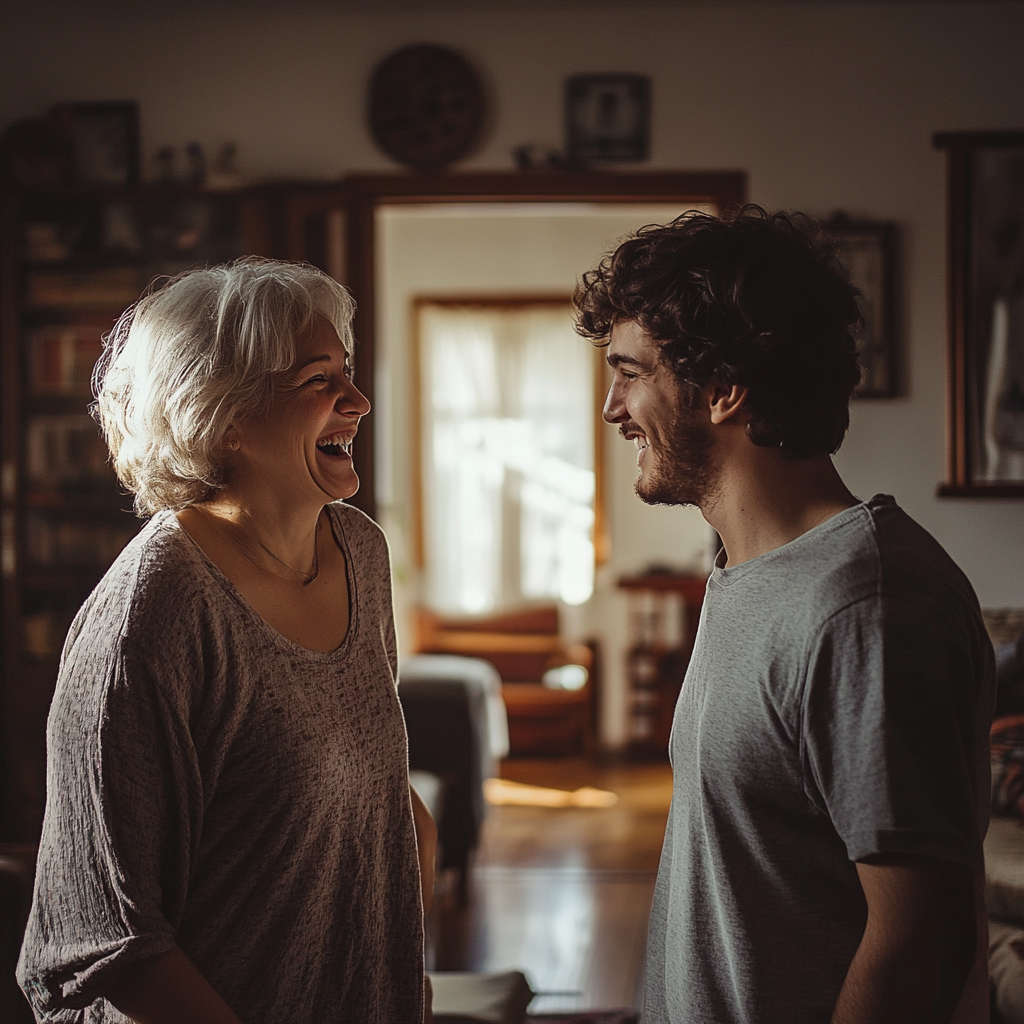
(70, 263)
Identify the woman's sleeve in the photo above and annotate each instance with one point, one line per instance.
(124, 810)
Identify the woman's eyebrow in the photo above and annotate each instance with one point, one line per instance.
(313, 359)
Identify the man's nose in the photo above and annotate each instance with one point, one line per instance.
(614, 410)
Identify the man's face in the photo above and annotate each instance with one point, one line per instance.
(674, 442)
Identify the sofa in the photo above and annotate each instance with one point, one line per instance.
(523, 645)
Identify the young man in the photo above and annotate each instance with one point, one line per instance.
(822, 860)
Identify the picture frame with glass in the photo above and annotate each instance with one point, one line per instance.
(985, 282)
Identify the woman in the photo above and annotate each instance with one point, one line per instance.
(229, 832)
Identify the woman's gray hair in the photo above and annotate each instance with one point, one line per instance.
(196, 354)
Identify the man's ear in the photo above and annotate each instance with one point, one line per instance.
(725, 401)
(232, 442)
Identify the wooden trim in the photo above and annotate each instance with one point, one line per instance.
(725, 189)
(980, 490)
(513, 300)
(960, 149)
(418, 527)
(977, 140)
(958, 260)
(602, 535)
(360, 259)
(360, 195)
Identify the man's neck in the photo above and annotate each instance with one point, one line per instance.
(762, 500)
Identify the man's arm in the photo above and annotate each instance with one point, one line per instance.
(918, 945)
(168, 989)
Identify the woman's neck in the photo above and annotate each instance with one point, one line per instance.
(281, 543)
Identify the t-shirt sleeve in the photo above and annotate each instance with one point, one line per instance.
(890, 731)
(124, 805)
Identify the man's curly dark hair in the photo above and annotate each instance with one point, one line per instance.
(758, 300)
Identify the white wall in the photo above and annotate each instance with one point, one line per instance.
(826, 107)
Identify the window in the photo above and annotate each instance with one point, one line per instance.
(507, 451)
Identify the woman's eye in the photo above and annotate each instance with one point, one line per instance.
(320, 377)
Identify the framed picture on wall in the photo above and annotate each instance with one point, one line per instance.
(867, 250)
(607, 118)
(985, 265)
(106, 141)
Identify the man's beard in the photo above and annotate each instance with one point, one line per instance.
(683, 469)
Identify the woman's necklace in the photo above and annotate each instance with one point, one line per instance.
(307, 577)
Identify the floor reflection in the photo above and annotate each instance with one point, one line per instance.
(561, 893)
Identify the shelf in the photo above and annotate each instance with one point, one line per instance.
(691, 587)
(97, 502)
(77, 579)
(56, 405)
(87, 261)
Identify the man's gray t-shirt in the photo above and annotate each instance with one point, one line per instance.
(836, 706)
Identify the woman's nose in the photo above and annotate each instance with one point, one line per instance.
(353, 401)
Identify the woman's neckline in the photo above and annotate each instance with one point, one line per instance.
(226, 584)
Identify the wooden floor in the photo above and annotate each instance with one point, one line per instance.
(561, 894)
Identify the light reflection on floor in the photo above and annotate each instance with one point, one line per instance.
(562, 893)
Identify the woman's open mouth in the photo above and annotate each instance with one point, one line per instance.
(336, 445)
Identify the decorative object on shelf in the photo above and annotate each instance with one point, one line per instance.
(163, 165)
(868, 251)
(196, 164)
(607, 118)
(531, 157)
(106, 141)
(426, 106)
(223, 172)
(985, 259)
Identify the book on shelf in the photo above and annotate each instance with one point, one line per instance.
(66, 453)
(52, 542)
(43, 633)
(111, 287)
(62, 356)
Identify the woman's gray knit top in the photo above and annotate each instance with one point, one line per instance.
(216, 787)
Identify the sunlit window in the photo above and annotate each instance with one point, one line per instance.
(507, 449)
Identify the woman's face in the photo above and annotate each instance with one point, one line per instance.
(300, 449)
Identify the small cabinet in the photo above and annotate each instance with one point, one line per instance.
(664, 609)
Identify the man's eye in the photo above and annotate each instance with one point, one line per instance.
(319, 377)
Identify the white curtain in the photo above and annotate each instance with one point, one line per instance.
(508, 456)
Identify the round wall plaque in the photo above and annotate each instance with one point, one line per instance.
(426, 106)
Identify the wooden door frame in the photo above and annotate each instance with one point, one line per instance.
(360, 196)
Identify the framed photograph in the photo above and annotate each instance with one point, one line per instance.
(106, 141)
(985, 263)
(607, 118)
(867, 250)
